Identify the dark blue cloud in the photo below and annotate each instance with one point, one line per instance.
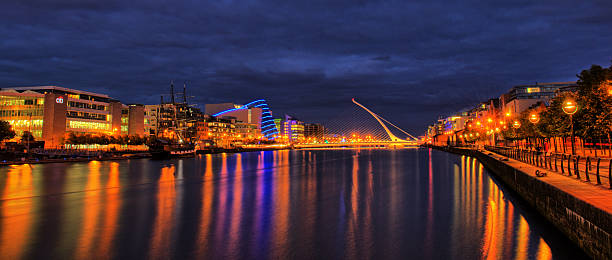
(410, 61)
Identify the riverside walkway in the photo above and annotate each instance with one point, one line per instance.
(599, 196)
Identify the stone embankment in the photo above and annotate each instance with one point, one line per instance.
(581, 210)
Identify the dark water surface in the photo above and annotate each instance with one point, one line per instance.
(320, 204)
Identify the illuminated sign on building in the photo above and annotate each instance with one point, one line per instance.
(533, 90)
(59, 100)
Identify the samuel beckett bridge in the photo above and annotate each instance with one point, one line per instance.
(361, 138)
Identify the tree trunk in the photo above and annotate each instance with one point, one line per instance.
(563, 141)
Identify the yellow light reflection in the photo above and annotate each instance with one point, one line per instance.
(162, 227)
(16, 219)
(111, 211)
(91, 211)
(281, 212)
(236, 216)
(543, 251)
(207, 201)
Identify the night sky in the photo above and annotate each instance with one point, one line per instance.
(410, 62)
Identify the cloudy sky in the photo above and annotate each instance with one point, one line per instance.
(409, 61)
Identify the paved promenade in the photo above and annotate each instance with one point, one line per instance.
(599, 196)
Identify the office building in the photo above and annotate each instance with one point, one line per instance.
(249, 115)
(51, 112)
(521, 97)
(293, 129)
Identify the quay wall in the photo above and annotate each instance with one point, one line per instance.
(587, 226)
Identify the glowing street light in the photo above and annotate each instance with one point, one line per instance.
(516, 124)
(608, 84)
(570, 107)
(534, 118)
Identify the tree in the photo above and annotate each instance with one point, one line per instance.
(553, 121)
(27, 137)
(593, 118)
(6, 132)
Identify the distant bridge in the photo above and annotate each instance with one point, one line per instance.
(395, 141)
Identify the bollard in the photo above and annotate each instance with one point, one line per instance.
(562, 158)
(610, 173)
(586, 168)
(598, 179)
(526, 156)
(540, 160)
(577, 167)
(550, 162)
(569, 162)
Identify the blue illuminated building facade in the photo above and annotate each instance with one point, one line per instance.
(268, 127)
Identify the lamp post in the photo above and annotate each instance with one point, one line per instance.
(516, 125)
(570, 107)
(534, 118)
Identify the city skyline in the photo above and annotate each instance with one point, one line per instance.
(307, 59)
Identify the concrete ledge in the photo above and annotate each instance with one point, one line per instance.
(580, 210)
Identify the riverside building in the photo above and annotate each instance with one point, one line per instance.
(521, 97)
(51, 112)
(250, 115)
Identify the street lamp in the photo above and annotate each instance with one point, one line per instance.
(570, 107)
(608, 87)
(534, 118)
(516, 124)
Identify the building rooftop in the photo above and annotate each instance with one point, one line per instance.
(51, 88)
(548, 84)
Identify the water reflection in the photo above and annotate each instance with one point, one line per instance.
(327, 204)
(17, 217)
(161, 241)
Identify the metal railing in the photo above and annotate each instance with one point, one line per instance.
(586, 168)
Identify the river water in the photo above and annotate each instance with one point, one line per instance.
(300, 204)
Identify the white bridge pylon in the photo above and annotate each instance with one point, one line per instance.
(380, 121)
